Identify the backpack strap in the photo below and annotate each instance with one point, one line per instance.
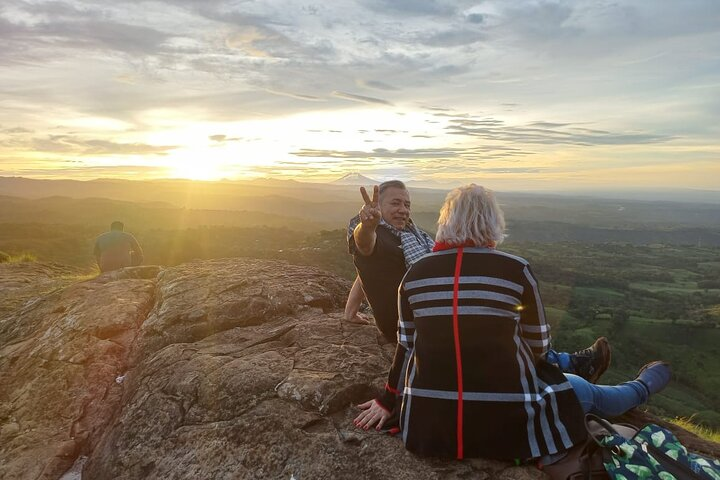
(608, 428)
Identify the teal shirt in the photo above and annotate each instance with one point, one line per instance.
(117, 249)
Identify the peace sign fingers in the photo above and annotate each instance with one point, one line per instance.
(366, 197)
(370, 213)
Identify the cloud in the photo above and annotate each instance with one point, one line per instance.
(475, 18)
(360, 98)
(221, 139)
(591, 32)
(548, 124)
(8, 28)
(15, 130)
(412, 7)
(541, 21)
(108, 35)
(257, 41)
(53, 9)
(452, 38)
(438, 109)
(475, 154)
(497, 130)
(377, 85)
(266, 32)
(85, 30)
(381, 153)
(448, 70)
(513, 170)
(308, 98)
(79, 146)
(91, 171)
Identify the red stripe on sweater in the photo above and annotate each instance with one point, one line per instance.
(458, 359)
(391, 389)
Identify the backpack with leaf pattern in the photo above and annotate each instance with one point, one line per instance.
(653, 453)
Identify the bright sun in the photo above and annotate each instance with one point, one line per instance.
(196, 171)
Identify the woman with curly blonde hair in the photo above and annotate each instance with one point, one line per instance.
(470, 374)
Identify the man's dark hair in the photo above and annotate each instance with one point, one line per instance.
(391, 184)
(117, 226)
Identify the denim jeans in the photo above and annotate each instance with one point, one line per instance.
(605, 400)
(561, 359)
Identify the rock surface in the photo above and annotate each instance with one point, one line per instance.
(219, 369)
(25, 281)
(59, 358)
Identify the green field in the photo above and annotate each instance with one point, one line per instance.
(648, 305)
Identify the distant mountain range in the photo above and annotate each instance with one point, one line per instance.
(334, 202)
(355, 178)
(143, 190)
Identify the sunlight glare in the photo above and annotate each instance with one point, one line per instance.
(255, 148)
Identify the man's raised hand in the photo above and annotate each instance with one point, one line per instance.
(370, 214)
(368, 201)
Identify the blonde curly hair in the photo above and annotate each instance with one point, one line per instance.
(471, 214)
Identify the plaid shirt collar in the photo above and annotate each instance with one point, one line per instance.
(414, 242)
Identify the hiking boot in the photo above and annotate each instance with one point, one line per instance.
(592, 362)
(655, 376)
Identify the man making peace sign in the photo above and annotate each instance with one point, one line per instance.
(384, 242)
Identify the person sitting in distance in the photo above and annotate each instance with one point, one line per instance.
(117, 249)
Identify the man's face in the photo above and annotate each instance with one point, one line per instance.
(395, 207)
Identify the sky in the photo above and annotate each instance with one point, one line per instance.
(513, 94)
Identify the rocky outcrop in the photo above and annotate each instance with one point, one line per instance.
(27, 281)
(244, 369)
(220, 369)
(59, 359)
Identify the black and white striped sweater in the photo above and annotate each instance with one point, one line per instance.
(471, 328)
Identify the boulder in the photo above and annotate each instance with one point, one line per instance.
(60, 355)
